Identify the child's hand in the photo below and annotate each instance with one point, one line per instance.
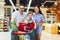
(26, 21)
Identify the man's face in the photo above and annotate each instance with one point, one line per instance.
(21, 9)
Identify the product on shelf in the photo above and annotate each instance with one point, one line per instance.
(1, 23)
(27, 37)
(59, 29)
(1, 30)
(5, 29)
(22, 37)
(6, 24)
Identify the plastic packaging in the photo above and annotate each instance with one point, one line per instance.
(27, 37)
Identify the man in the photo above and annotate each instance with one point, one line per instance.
(18, 16)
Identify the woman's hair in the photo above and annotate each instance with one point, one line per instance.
(38, 8)
(30, 12)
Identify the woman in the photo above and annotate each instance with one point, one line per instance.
(39, 19)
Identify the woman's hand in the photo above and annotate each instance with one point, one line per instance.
(37, 24)
(41, 23)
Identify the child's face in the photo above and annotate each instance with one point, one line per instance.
(30, 15)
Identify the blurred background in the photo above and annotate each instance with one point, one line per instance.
(49, 8)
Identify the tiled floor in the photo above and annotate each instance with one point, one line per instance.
(47, 36)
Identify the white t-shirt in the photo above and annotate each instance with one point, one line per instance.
(19, 17)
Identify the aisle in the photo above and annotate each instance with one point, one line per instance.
(47, 36)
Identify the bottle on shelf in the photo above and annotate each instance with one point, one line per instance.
(59, 29)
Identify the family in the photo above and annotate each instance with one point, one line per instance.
(37, 17)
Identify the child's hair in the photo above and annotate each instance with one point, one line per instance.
(30, 12)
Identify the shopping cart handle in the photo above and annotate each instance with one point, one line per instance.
(20, 33)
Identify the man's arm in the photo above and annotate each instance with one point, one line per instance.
(13, 22)
(13, 17)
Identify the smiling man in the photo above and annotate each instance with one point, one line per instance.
(17, 16)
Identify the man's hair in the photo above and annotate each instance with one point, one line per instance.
(22, 5)
(30, 12)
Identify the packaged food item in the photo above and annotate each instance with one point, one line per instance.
(5, 29)
(27, 37)
(59, 29)
(6, 24)
(14, 26)
(1, 29)
(22, 37)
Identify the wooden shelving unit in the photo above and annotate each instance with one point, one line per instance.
(50, 24)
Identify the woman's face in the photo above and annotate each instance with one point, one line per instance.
(36, 10)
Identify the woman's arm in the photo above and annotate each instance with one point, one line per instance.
(41, 23)
(35, 25)
(42, 20)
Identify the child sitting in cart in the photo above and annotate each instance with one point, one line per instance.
(29, 20)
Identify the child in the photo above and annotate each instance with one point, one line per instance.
(30, 19)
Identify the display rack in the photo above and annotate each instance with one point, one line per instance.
(50, 24)
(1, 18)
(51, 18)
(6, 24)
(4, 20)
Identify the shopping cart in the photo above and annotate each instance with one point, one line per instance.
(25, 29)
